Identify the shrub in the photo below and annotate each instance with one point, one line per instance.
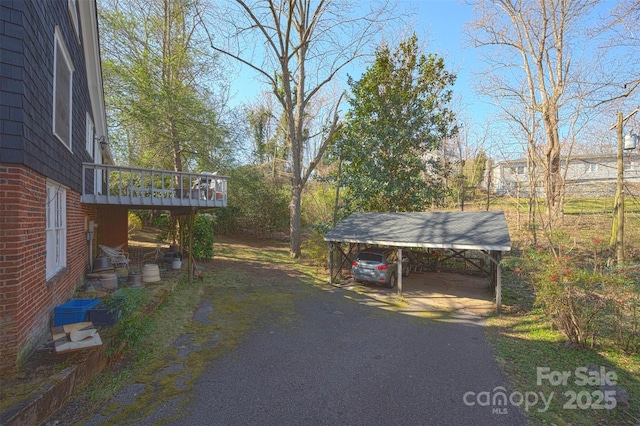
(164, 224)
(623, 311)
(257, 203)
(315, 248)
(162, 221)
(586, 305)
(202, 237)
(135, 223)
(226, 220)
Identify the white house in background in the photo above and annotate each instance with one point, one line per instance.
(592, 175)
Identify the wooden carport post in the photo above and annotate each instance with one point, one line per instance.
(498, 289)
(495, 272)
(496, 257)
(331, 248)
(399, 271)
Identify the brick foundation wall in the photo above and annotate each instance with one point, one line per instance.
(26, 298)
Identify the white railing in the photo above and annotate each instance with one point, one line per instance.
(105, 184)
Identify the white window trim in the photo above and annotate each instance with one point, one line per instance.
(60, 52)
(73, 13)
(55, 228)
(90, 136)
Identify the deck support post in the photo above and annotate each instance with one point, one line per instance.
(190, 264)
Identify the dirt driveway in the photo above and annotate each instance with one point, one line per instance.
(462, 294)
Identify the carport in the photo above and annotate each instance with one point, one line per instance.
(457, 232)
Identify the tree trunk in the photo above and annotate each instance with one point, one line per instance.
(295, 224)
(553, 177)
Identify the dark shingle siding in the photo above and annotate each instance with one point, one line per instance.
(11, 84)
(26, 63)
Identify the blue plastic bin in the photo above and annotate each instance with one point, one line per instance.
(73, 311)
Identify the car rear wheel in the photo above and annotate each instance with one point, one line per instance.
(393, 280)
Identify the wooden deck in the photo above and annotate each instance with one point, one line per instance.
(150, 188)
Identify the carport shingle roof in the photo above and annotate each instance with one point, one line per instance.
(453, 230)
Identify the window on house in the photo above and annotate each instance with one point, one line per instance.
(520, 170)
(62, 90)
(89, 137)
(592, 167)
(56, 228)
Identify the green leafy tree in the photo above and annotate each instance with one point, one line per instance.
(269, 142)
(159, 86)
(398, 116)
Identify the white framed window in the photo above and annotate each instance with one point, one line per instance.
(592, 167)
(56, 228)
(89, 136)
(73, 14)
(62, 90)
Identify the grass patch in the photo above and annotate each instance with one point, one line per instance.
(598, 205)
(525, 342)
(397, 301)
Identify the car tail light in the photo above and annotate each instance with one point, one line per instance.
(354, 264)
(381, 267)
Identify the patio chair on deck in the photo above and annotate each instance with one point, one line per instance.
(118, 257)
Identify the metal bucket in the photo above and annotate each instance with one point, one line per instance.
(176, 263)
(102, 264)
(135, 279)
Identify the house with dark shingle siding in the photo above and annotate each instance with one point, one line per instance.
(44, 250)
(61, 196)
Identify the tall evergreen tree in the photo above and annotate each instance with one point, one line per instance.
(393, 131)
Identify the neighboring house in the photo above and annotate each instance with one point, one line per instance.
(60, 194)
(592, 175)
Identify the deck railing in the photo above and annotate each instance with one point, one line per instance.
(105, 184)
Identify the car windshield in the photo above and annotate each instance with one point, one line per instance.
(372, 257)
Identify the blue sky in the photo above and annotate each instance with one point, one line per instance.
(439, 26)
(442, 23)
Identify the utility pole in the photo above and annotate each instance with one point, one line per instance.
(620, 196)
(618, 220)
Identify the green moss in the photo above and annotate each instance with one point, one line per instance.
(240, 306)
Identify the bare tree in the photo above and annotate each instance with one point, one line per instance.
(298, 47)
(621, 39)
(535, 41)
(466, 162)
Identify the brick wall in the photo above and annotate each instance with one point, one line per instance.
(26, 298)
